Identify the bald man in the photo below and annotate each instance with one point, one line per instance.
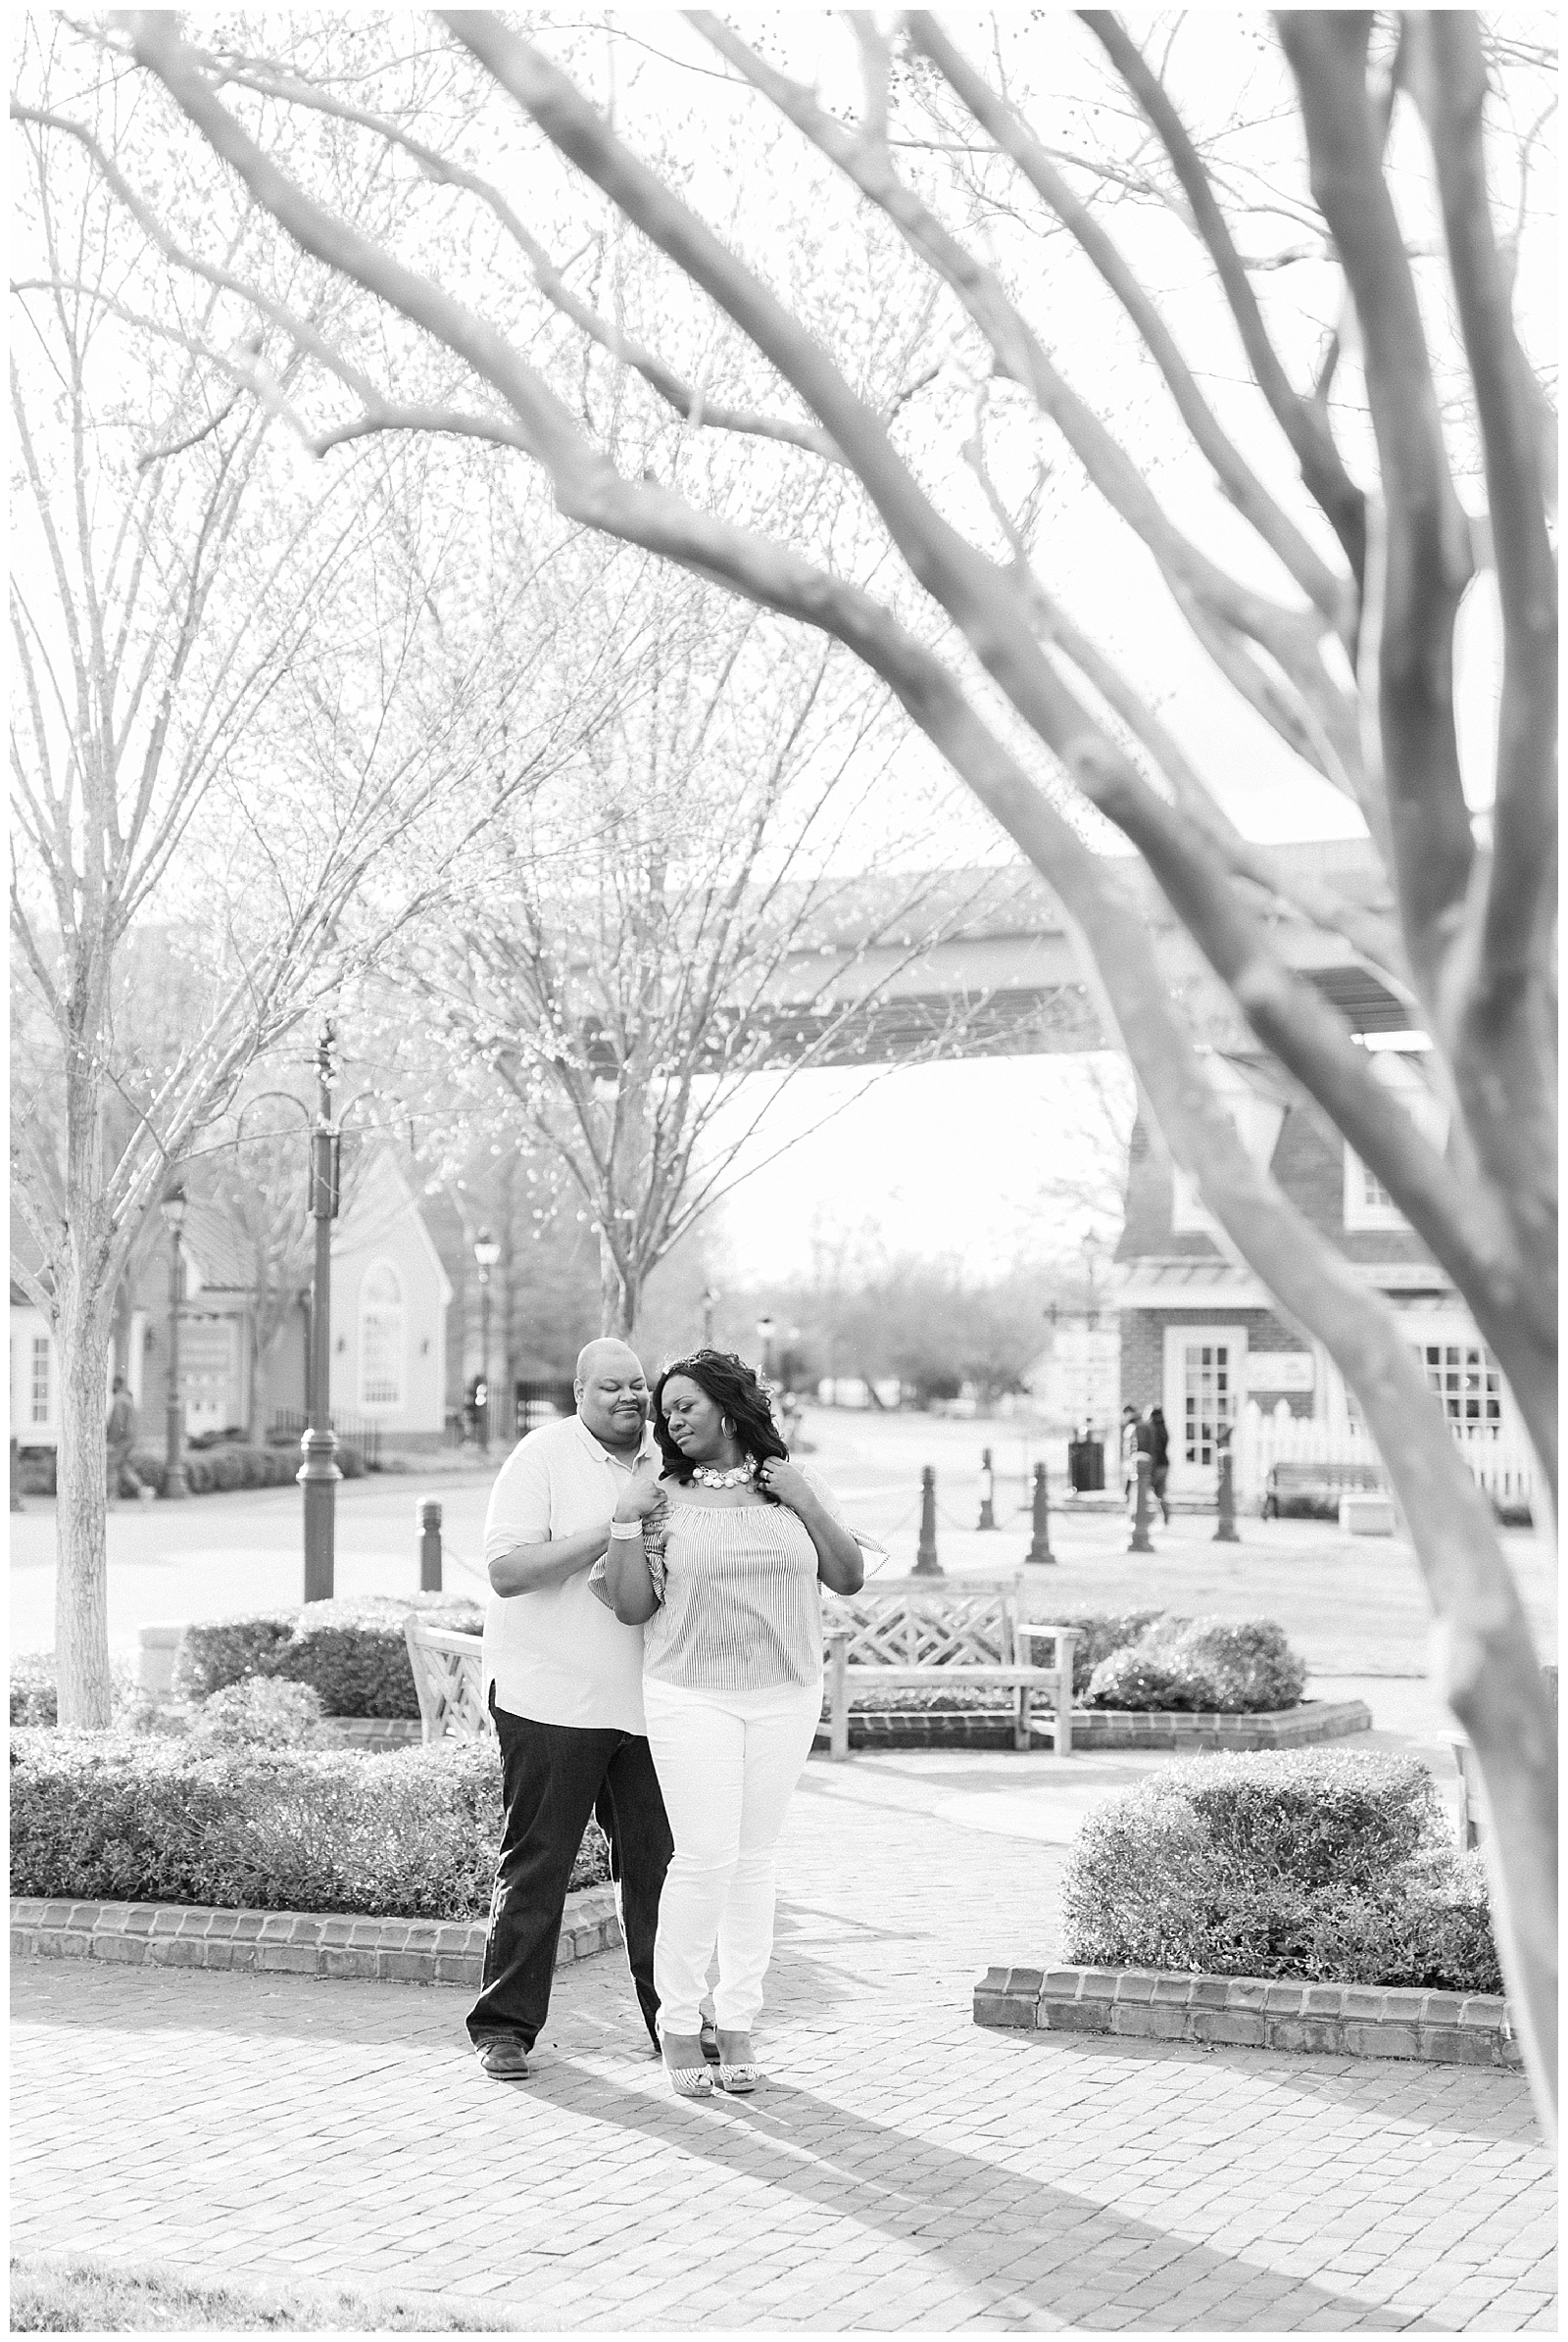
(563, 1680)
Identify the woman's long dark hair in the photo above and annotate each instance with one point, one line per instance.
(735, 1391)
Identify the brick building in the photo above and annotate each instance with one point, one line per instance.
(1199, 1334)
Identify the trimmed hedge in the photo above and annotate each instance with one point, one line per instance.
(409, 1833)
(1308, 1865)
(1207, 1666)
(34, 1696)
(351, 1652)
(213, 1470)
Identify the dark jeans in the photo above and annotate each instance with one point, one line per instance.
(552, 1777)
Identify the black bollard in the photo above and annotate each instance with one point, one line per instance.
(1226, 1534)
(1040, 1542)
(429, 1520)
(926, 1564)
(988, 1491)
(1139, 1537)
(16, 1504)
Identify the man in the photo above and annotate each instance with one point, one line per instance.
(120, 1438)
(564, 1679)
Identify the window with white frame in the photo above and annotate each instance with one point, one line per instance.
(1466, 1379)
(1367, 1202)
(41, 1393)
(381, 1337)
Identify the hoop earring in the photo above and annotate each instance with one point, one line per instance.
(726, 1427)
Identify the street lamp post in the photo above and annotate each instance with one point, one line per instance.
(486, 1252)
(710, 1302)
(764, 1335)
(319, 1474)
(174, 1211)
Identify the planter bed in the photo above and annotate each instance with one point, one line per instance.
(1252, 2011)
(290, 1942)
(1109, 1727)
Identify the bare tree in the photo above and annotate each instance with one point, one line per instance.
(225, 719)
(651, 929)
(1347, 657)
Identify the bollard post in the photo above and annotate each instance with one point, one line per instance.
(926, 1564)
(1040, 1542)
(16, 1504)
(1139, 1537)
(429, 1523)
(988, 1491)
(1226, 1534)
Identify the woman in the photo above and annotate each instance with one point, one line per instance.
(720, 1559)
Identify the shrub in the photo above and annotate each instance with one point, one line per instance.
(412, 1832)
(33, 1699)
(1212, 1666)
(351, 1652)
(258, 1713)
(1100, 1632)
(225, 1650)
(1310, 1865)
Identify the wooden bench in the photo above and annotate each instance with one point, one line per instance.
(449, 1679)
(1325, 1480)
(968, 1631)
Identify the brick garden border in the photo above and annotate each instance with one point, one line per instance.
(1355, 2020)
(404, 1951)
(1110, 1728)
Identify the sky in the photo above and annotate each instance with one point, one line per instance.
(948, 1158)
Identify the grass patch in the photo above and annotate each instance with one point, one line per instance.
(51, 2296)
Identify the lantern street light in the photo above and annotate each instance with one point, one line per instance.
(486, 1252)
(709, 1302)
(173, 1208)
(764, 1333)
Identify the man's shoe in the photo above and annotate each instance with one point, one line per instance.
(504, 2058)
(709, 2040)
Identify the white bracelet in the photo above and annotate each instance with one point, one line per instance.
(625, 1528)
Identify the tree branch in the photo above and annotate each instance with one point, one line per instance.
(1305, 424)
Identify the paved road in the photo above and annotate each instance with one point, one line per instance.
(904, 2168)
(1352, 1607)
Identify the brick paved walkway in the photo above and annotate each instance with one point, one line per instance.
(904, 2170)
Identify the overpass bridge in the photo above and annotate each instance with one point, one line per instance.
(1002, 977)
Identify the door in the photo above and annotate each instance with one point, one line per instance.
(1205, 1389)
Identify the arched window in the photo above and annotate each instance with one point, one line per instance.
(381, 1337)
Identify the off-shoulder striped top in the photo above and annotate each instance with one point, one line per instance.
(740, 1608)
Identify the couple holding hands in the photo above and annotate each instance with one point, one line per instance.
(653, 1656)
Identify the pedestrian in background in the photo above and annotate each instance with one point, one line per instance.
(1159, 1460)
(1129, 1451)
(120, 1438)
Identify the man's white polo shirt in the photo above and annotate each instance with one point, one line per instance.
(559, 1655)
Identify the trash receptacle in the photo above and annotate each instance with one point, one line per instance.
(1085, 1465)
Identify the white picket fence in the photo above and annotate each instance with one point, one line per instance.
(1499, 1460)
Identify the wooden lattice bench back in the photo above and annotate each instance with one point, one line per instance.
(449, 1679)
(912, 1631)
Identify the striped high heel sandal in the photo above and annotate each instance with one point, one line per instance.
(739, 2079)
(687, 2081)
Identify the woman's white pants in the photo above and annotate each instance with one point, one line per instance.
(727, 1763)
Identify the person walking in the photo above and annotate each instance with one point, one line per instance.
(563, 1680)
(120, 1438)
(1159, 1460)
(721, 1561)
(1130, 1429)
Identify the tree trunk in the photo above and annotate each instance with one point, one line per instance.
(619, 1295)
(81, 1589)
